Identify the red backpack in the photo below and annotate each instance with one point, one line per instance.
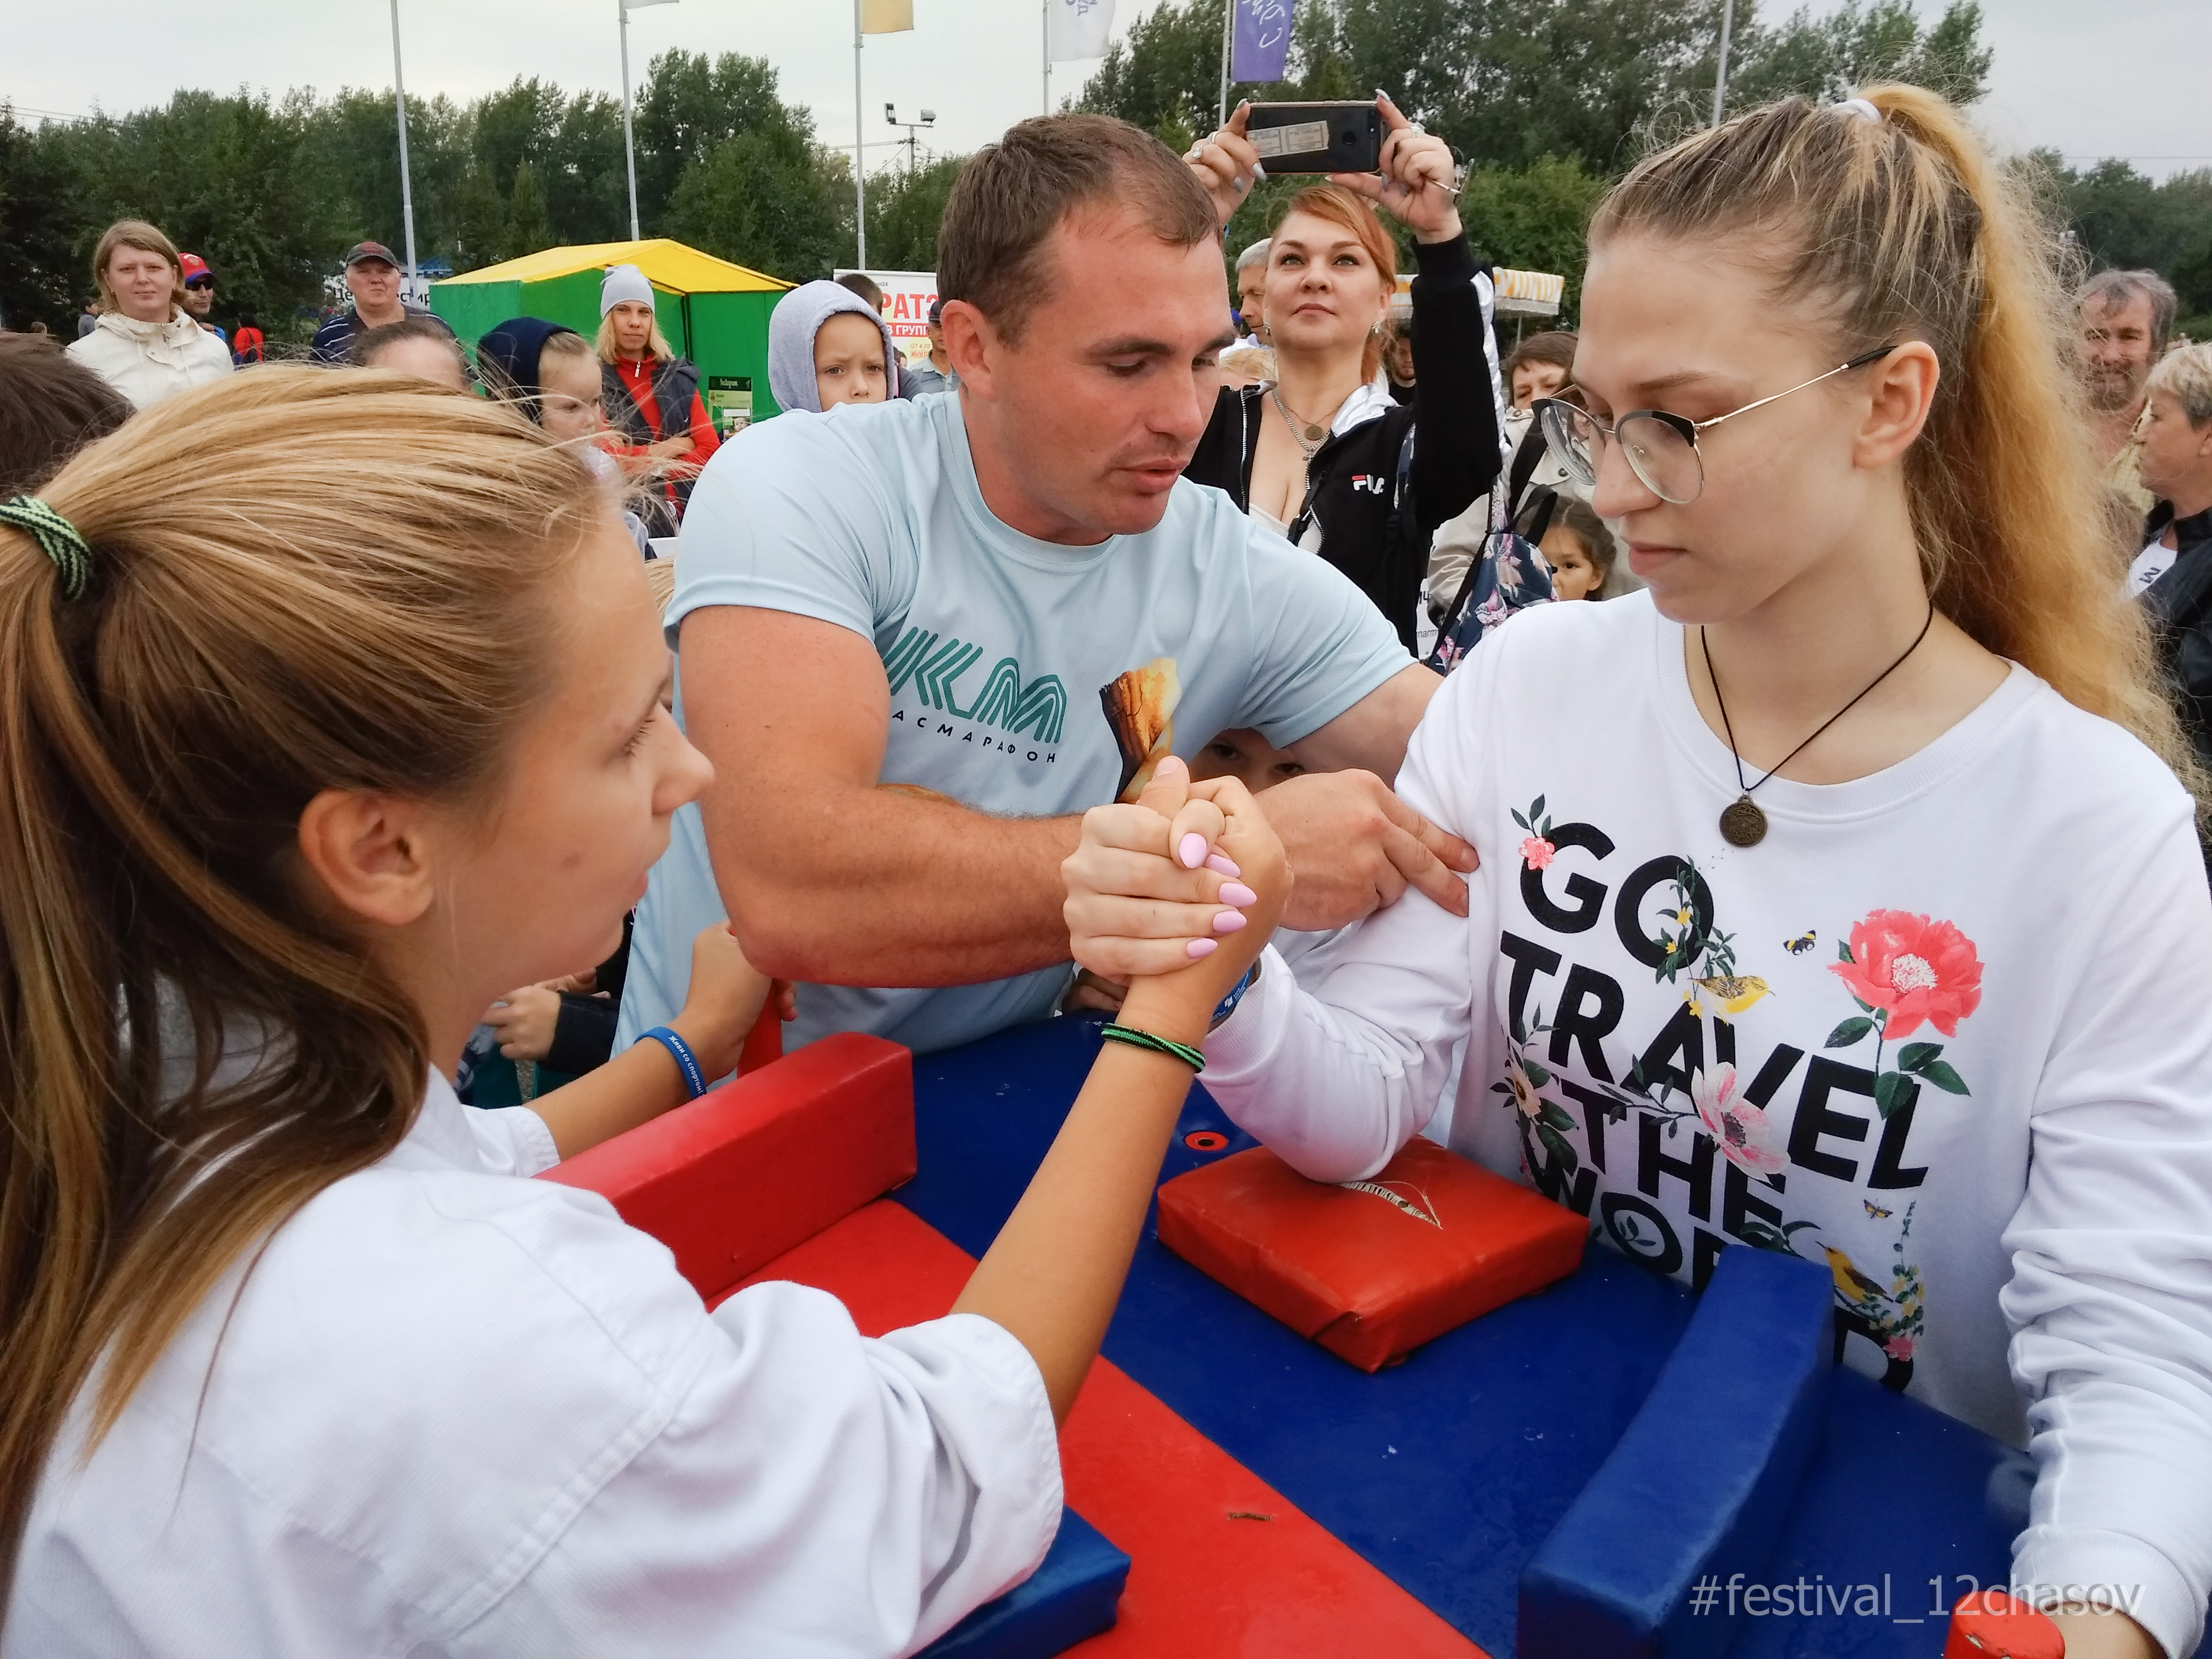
(248, 345)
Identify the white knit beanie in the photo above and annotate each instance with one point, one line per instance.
(623, 283)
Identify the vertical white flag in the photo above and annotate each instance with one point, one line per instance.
(1080, 29)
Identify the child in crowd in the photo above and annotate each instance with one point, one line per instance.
(552, 374)
(332, 710)
(421, 346)
(1248, 757)
(1838, 896)
(1579, 549)
(50, 406)
(826, 346)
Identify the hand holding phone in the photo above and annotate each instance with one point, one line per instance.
(1336, 137)
(1415, 180)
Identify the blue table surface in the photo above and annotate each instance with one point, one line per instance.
(1447, 1471)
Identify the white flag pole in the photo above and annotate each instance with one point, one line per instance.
(860, 155)
(406, 187)
(1228, 36)
(1046, 17)
(1720, 81)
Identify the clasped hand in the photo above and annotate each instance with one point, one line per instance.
(1178, 891)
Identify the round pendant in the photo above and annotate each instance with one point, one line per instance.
(1315, 434)
(1742, 824)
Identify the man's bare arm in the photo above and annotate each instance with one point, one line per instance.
(827, 877)
(1353, 844)
(1370, 735)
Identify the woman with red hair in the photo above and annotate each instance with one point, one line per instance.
(1322, 453)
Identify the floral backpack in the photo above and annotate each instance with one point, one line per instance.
(1509, 575)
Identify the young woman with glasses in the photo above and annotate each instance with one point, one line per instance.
(1839, 894)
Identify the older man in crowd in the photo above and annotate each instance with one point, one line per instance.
(919, 639)
(2127, 316)
(372, 277)
(2173, 572)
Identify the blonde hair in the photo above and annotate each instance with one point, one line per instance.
(568, 344)
(656, 343)
(147, 239)
(2184, 374)
(1904, 227)
(302, 580)
(1340, 207)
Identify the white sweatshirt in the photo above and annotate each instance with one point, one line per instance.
(456, 1412)
(148, 362)
(1665, 1033)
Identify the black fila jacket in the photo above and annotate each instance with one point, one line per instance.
(1377, 497)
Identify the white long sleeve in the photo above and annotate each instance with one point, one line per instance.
(1942, 1032)
(459, 1413)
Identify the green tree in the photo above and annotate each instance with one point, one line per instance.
(771, 201)
(1853, 47)
(904, 211)
(43, 219)
(529, 227)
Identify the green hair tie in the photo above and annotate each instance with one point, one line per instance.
(57, 536)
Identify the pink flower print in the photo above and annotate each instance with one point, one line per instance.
(1737, 1127)
(1536, 853)
(1899, 1347)
(1912, 969)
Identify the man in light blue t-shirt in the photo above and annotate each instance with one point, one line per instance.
(919, 640)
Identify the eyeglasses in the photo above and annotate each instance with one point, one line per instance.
(201, 282)
(1661, 449)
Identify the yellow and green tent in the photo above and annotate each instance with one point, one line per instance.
(713, 311)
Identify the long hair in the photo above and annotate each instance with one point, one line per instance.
(1904, 227)
(302, 580)
(1340, 207)
(657, 347)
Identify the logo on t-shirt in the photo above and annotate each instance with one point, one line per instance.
(934, 664)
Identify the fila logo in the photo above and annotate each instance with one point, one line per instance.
(1369, 482)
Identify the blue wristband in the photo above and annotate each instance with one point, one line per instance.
(1227, 1006)
(686, 1062)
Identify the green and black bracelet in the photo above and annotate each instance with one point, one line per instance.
(1158, 1045)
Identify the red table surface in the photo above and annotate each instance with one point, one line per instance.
(1203, 1580)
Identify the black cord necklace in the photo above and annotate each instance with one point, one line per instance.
(1742, 823)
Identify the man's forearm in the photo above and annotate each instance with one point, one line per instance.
(860, 886)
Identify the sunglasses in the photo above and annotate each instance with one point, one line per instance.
(201, 282)
(1661, 449)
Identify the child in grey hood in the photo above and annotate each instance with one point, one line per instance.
(826, 346)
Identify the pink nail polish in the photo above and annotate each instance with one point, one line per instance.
(1223, 866)
(1227, 921)
(1200, 947)
(1193, 850)
(1236, 893)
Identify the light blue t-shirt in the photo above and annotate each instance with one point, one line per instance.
(997, 649)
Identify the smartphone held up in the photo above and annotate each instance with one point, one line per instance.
(1334, 136)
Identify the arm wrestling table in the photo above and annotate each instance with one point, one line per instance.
(1446, 1471)
(1273, 1499)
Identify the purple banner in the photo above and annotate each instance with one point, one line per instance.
(1262, 39)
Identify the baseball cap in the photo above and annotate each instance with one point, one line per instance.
(361, 251)
(193, 267)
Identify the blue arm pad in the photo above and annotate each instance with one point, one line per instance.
(1701, 1482)
(1070, 1598)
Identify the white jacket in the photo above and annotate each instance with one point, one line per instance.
(148, 361)
(458, 1413)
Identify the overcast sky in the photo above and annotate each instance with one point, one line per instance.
(2117, 80)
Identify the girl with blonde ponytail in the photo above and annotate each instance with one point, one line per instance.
(329, 710)
(1841, 893)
